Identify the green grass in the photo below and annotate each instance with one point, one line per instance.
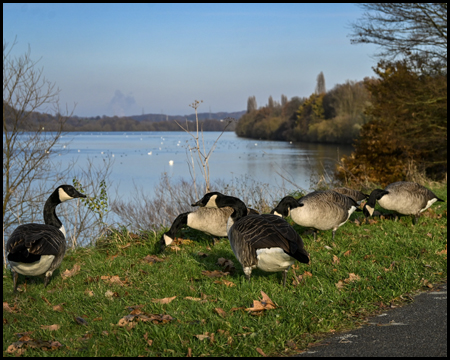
(391, 259)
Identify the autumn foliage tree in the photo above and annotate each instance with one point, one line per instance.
(408, 127)
(407, 132)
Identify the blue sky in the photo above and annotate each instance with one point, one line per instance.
(122, 59)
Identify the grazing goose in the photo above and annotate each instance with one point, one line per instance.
(356, 195)
(209, 220)
(320, 210)
(262, 241)
(36, 249)
(403, 197)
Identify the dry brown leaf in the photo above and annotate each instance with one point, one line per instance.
(69, 273)
(174, 248)
(151, 259)
(340, 284)
(225, 282)
(307, 273)
(7, 308)
(189, 354)
(430, 235)
(221, 312)
(15, 348)
(352, 277)
(164, 301)
(203, 336)
(193, 298)
(88, 292)
(48, 302)
(58, 307)
(213, 274)
(347, 253)
(261, 352)
(335, 259)
(50, 327)
(109, 294)
(267, 302)
(125, 246)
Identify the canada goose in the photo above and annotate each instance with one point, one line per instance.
(403, 197)
(320, 210)
(356, 195)
(262, 241)
(209, 220)
(36, 249)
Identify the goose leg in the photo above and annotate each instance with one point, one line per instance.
(46, 280)
(15, 278)
(284, 276)
(334, 232)
(315, 233)
(247, 272)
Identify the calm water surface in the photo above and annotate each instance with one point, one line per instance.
(141, 158)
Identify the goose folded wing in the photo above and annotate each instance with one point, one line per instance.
(39, 239)
(268, 231)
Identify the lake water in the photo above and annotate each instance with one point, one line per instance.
(141, 157)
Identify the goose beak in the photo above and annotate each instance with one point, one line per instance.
(198, 203)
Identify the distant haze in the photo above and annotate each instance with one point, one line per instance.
(133, 59)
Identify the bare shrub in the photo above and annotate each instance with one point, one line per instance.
(173, 197)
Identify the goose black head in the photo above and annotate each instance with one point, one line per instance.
(67, 192)
(209, 200)
(285, 205)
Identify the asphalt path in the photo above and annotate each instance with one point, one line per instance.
(416, 329)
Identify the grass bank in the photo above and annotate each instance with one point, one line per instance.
(123, 298)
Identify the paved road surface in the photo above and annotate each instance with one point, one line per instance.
(417, 329)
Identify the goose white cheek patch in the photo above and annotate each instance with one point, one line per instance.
(63, 196)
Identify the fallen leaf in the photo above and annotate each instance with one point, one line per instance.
(352, 277)
(50, 327)
(127, 245)
(225, 282)
(221, 312)
(213, 274)
(202, 254)
(7, 308)
(307, 273)
(328, 247)
(164, 301)
(69, 273)
(88, 292)
(261, 352)
(193, 298)
(15, 349)
(58, 307)
(203, 336)
(347, 253)
(151, 259)
(189, 354)
(109, 294)
(174, 248)
(267, 302)
(149, 341)
(335, 259)
(114, 280)
(340, 284)
(430, 235)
